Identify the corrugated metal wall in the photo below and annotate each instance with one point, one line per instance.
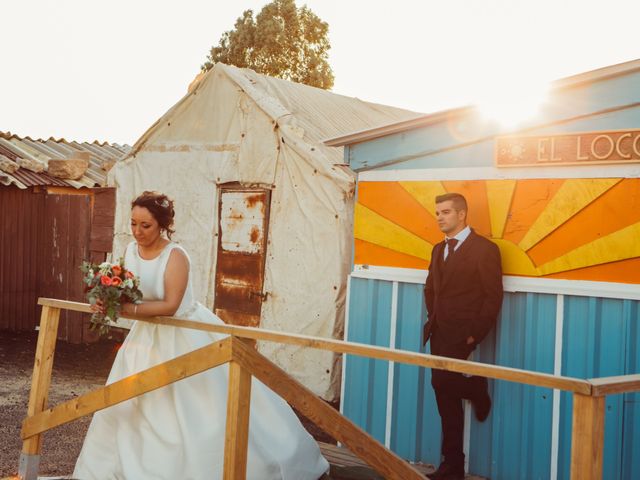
(366, 398)
(20, 257)
(594, 331)
(43, 240)
(527, 436)
(65, 244)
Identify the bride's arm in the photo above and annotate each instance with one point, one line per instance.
(176, 276)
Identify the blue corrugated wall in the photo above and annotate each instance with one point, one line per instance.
(366, 397)
(516, 441)
(413, 431)
(594, 331)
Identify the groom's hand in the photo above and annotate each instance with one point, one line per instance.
(426, 333)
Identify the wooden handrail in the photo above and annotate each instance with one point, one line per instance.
(390, 465)
(588, 406)
(574, 385)
(612, 385)
(244, 362)
(65, 305)
(142, 382)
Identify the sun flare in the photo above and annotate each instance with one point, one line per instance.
(511, 102)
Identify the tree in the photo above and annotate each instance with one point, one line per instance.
(283, 41)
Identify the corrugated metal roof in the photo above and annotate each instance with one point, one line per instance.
(319, 113)
(23, 150)
(29, 178)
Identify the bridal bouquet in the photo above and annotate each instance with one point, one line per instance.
(112, 285)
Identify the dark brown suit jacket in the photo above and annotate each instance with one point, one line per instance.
(464, 295)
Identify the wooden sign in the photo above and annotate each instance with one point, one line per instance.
(619, 146)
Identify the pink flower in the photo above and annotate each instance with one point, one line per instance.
(106, 281)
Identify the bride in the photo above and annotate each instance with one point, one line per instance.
(177, 432)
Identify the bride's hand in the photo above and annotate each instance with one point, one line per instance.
(98, 307)
(128, 308)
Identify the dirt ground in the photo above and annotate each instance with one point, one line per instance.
(77, 369)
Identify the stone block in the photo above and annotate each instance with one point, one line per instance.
(69, 168)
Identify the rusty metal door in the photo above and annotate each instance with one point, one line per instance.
(242, 247)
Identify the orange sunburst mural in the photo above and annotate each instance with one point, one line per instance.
(580, 229)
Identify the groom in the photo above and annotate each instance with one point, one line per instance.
(463, 294)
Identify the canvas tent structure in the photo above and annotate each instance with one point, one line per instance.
(263, 207)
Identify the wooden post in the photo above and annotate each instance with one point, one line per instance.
(237, 433)
(30, 456)
(587, 437)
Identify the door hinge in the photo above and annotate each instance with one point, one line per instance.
(262, 295)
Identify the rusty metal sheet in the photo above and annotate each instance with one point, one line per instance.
(32, 179)
(102, 222)
(239, 285)
(10, 154)
(241, 221)
(243, 225)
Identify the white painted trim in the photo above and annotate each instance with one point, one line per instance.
(466, 435)
(553, 286)
(557, 370)
(495, 173)
(580, 288)
(391, 365)
(391, 274)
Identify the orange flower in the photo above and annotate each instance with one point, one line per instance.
(128, 274)
(106, 281)
(117, 270)
(115, 281)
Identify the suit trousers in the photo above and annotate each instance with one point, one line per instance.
(450, 389)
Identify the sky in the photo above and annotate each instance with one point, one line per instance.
(86, 70)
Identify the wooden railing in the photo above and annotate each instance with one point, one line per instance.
(244, 362)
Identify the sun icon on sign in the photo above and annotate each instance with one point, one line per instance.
(515, 151)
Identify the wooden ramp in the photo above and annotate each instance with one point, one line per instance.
(346, 466)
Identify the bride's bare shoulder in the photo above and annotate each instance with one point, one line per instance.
(178, 256)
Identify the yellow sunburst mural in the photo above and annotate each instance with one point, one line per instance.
(582, 229)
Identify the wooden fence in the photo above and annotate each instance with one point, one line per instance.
(244, 362)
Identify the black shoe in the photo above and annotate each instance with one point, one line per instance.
(447, 472)
(482, 407)
(482, 404)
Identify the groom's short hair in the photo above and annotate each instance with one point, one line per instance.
(459, 202)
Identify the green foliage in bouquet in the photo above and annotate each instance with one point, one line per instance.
(109, 285)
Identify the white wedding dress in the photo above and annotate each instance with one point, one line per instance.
(177, 432)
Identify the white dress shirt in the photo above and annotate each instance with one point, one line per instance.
(461, 237)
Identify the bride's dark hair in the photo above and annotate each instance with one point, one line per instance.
(160, 206)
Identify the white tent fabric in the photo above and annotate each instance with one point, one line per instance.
(238, 126)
